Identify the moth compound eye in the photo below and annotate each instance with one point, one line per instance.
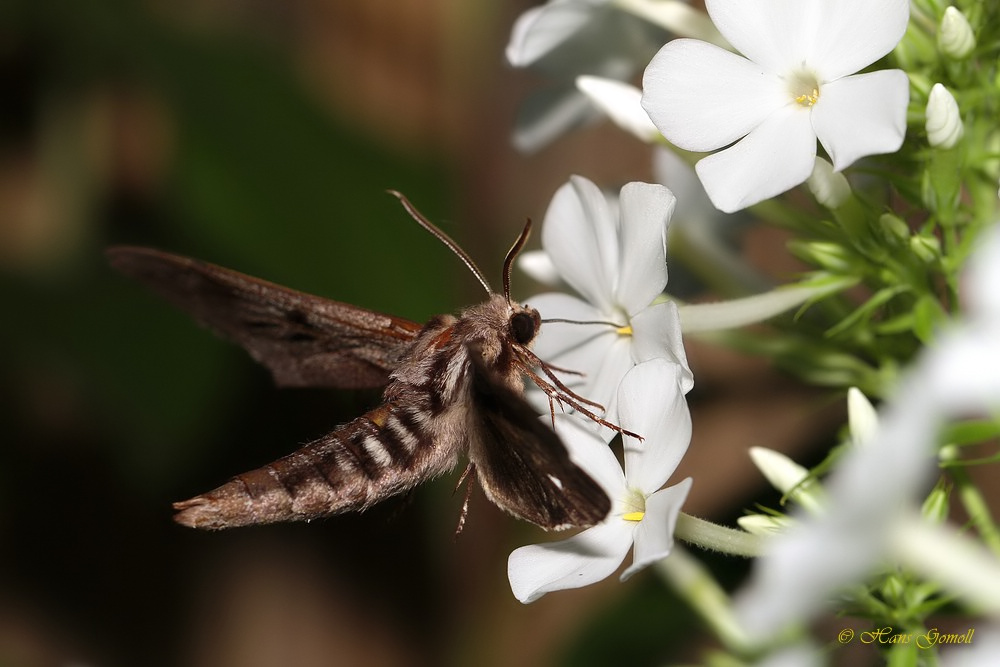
(523, 328)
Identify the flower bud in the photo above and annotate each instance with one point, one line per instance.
(861, 417)
(829, 187)
(955, 38)
(763, 524)
(927, 248)
(935, 508)
(944, 121)
(789, 477)
(896, 230)
(829, 255)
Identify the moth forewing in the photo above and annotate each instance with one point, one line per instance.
(453, 387)
(522, 464)
(304, 340)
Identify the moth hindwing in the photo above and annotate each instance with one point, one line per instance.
(453, 387)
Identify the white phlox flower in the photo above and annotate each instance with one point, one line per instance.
(614, 255)
(564, 39)
(796, 84)
(643, 515)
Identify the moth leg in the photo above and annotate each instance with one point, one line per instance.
(468, 494)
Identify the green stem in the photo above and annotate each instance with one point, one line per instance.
(714, 537)
(692, 581)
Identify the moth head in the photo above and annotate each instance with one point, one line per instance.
(523, 325)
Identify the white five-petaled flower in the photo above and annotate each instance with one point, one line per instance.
(643, 515)
(614, 255)
(796, 84)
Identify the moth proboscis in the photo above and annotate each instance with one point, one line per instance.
(453, 386)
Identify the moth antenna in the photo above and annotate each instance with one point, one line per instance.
(443, 238)
(515, 249)
(565, 321)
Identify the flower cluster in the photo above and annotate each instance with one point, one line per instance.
(869, 131)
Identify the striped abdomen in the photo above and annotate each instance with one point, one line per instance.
(384, 452)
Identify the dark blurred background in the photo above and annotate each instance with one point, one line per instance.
(262, 136)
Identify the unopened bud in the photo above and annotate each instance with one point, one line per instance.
(955, 38)
(935, 508)
(826, 254)
(927, 248)
(896, 230)
(944, 121)
(763, 524)
(789, 477)
(861, 417)
(829, 187)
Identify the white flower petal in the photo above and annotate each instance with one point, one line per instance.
(957, 369)
(581, 237)
(538, 265)
(645, 211)
(853, 34)
(981, 278)
(541, 29)
(651, 403)
(654, 536)
(702, 97)
(656, 334)
(799, 567)
(678, 17)
(693, 205)
(776, 156)
(598, 355)
(774, 34)
(557, 340)
(546, 114)
(591, 452)
(622, 104)
(862, 115)
(579, 561)
(697, 317)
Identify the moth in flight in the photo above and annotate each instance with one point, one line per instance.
(453, 389)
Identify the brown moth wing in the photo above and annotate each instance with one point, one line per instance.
(522, 465)
(304, 340)
(384, 452)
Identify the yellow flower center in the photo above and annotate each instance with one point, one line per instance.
(808, 99)
(625, 330)
(635, 503)
(804, 88)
